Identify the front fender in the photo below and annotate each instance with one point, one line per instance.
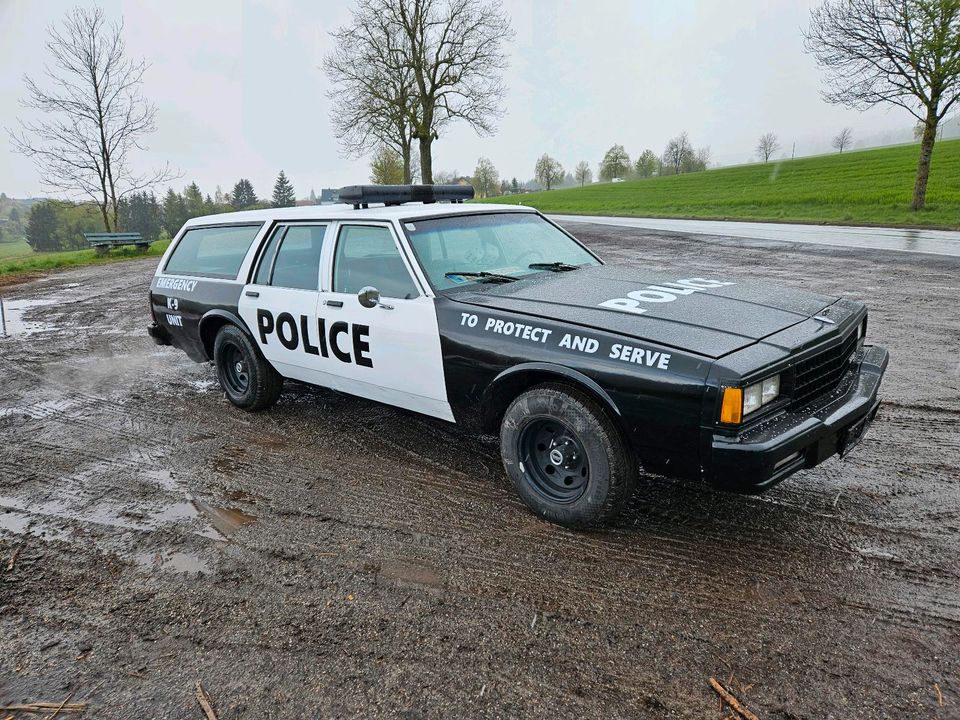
(514, 380)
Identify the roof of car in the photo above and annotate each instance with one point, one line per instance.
(341, 211)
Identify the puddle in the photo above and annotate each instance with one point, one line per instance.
(163, 478)
(411, 572)
(226, 520)
(17, 515)
(181, 562)
(21, 523)
(16, 324)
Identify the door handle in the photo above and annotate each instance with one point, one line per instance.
(252, 293)
(333, 303)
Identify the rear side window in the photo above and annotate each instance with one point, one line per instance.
(297, 264)
(215, 252)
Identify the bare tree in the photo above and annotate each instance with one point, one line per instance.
(767, 145)
(843, 139)
(447, 54)
(582, 173)
(373, 98)
(901, 52)
(548, 171)
(677, 151)
(92, 118)
(485, 178)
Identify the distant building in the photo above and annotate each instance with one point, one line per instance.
(329, 195)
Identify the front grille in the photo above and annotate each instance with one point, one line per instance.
(821, 374)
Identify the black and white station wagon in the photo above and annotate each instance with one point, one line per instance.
(494, 317)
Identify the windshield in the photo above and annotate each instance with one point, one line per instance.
(491, 244)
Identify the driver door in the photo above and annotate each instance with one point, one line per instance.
(393, 346)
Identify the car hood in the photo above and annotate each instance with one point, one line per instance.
(711, 321)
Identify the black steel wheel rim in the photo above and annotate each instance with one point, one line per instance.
(235, 371)
(553, 460)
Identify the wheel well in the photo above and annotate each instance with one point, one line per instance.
(507, 389)
(209, 327)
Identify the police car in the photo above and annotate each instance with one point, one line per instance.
(493, 317)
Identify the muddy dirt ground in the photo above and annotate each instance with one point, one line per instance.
(335, 558)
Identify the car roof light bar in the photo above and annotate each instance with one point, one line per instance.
(362, 195)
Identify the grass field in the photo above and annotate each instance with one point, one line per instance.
(864, 187)
(23, 261)
(14, 249)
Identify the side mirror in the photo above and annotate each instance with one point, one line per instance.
(369, 296)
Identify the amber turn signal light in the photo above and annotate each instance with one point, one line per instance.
(731, 410)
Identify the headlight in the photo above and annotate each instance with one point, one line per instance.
(752, 398)
(738, 402)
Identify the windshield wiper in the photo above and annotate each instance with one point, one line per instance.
(483, 276)
(553, 266)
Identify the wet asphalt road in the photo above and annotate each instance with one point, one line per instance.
(912, 240)
(335, 558)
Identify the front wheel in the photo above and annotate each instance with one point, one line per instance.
(565, 457)
(248, 381)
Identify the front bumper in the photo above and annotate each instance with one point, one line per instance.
(760, 457)
(159, 334)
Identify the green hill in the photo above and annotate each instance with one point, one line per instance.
(864, 187)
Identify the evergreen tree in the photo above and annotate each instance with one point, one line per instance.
(313, 196)
(140, 212)
(193, 199)
(174, 212)
(15, 217)
(514, 186)
(42, 227)
(243, 195)
(283, 194)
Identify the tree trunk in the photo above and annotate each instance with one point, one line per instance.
(923, 165)
(106, 217)
(406, 162)
(426, 158)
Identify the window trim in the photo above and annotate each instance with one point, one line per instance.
(206, 226)
(401, 251)
(261, 253)
(274, 225)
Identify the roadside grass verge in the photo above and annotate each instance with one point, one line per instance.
(868, 187)
(30, 264)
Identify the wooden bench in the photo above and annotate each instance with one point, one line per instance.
(103, 242)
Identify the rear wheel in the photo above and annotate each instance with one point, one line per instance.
(565, 457)
(248, 381)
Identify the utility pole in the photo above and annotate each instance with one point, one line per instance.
(794, 151)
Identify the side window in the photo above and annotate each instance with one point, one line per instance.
(297, 263)
(215, 252)
(266, 260)
(368, 256)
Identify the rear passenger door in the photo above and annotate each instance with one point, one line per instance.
(279, 305)
(393, 348)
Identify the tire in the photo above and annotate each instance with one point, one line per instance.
(248, 381)
(593, 475)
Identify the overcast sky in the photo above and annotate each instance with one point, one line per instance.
(240, 94)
